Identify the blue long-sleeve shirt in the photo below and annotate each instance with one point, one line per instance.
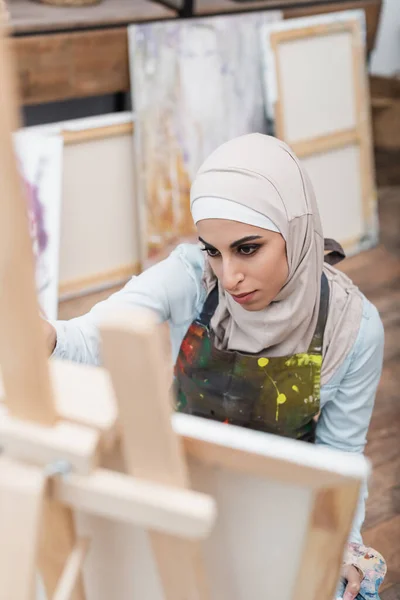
(173, 289)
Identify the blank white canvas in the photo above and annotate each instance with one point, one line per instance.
(98, 230)
(259, 527)
(305, 65)
(312, 78)
(99, 225)
(336, 178)
(317, 88)
(256, 545)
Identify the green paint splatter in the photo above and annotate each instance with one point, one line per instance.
(181, 401)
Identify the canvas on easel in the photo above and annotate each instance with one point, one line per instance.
(188, 508)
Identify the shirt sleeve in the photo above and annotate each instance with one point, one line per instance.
(344, 420)
(171, 288)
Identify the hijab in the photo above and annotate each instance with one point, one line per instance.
(259, 174)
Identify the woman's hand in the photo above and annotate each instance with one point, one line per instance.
(50, 336)
(354, 579)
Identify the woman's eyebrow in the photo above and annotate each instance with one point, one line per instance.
(243, 240)
(206, 244)
(248, 238)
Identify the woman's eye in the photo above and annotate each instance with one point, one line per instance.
(248, 250)
(212, 252)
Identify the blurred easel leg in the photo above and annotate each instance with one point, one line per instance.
(22, 489)
(23, 354)
(135, 356)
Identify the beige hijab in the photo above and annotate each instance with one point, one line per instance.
(262, 173)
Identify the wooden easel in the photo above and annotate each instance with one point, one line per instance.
(60, 422)
(39, 443)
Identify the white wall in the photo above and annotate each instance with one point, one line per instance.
(385, 59)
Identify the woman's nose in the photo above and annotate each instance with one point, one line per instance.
(231, 276)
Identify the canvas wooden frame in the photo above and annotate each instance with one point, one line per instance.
(76, 136)
(360, 135)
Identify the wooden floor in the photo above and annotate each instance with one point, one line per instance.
(377, 273)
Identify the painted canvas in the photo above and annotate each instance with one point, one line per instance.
(195, 85)
(40, 161)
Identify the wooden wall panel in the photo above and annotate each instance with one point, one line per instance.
(28, 16)
(72, 65)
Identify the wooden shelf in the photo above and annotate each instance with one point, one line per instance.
(64, 53)
(203, 7)
(28, 16)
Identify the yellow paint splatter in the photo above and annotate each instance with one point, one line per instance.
(281, 399)
(303, 360)
(262, 362)
(291, 362)
(316, 359)
(295, 388)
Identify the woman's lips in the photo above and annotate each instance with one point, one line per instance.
(244, 298)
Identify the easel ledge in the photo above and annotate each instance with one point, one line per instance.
(98, 413)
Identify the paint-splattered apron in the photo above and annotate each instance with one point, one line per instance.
(278, 395)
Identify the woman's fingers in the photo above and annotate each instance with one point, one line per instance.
(353, 578)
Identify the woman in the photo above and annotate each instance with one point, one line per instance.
(264, 334)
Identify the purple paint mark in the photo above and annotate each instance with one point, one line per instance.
(36, 215)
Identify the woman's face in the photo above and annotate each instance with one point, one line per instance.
(249, 262)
